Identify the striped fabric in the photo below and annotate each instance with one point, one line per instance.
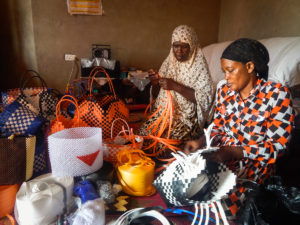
(260, 124)
(85, 7)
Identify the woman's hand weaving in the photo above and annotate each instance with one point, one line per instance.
(192, 146)
(168, 84)
(153, 76)
(224, 154)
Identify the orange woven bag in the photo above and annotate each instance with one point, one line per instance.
(102, 109)
(61, 122)
(7, 198)
(127, 140)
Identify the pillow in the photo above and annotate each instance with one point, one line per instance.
(213, 54)
(284, 65)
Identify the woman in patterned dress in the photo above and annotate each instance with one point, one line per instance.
(185, 73)
(253, 118)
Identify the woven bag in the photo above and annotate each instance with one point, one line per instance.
(32, 92)
(102, 109)
(183, 181)
(16, 157)
(40, 100)
(61, 122)
(113, 145)
(76, 151)
(19, 119)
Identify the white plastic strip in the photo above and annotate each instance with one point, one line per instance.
(122, 220)
(156, 215)
(196, 214)
(207, 213)
(201, 213)
(223, 216)
(216, 213)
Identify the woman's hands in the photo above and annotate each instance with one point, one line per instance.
(223, 154)
(153, 76)
(168, 84)
(165, 83)
(192, 146)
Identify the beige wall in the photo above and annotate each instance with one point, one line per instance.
(259, 19)
(139, 32)
(37, 33)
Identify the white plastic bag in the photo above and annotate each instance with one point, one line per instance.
(76, 151)
(41, 200)
(91, 213)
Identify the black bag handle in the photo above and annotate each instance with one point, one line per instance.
(24, 82)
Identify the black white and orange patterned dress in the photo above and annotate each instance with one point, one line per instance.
(260, 124)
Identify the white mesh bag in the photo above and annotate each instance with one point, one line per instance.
(76, 151)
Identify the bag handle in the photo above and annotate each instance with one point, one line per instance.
(92, 78)
(11, 219)
(24, 81)
(136, 216)
(130, 136)
(112, 126)
(77, 83)
(70, 99)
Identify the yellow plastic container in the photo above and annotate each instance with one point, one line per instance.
(135, 172)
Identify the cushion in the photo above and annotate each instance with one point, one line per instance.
(284, 65)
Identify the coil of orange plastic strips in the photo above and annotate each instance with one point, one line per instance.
(162, 125)
(135, 172)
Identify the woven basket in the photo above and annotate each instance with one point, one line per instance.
(111, 149)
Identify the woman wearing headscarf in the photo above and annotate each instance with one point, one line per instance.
(185, 73)
(253, 118)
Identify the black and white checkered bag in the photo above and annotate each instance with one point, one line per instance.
(43, 104)
(40, 100)
(186, 177)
